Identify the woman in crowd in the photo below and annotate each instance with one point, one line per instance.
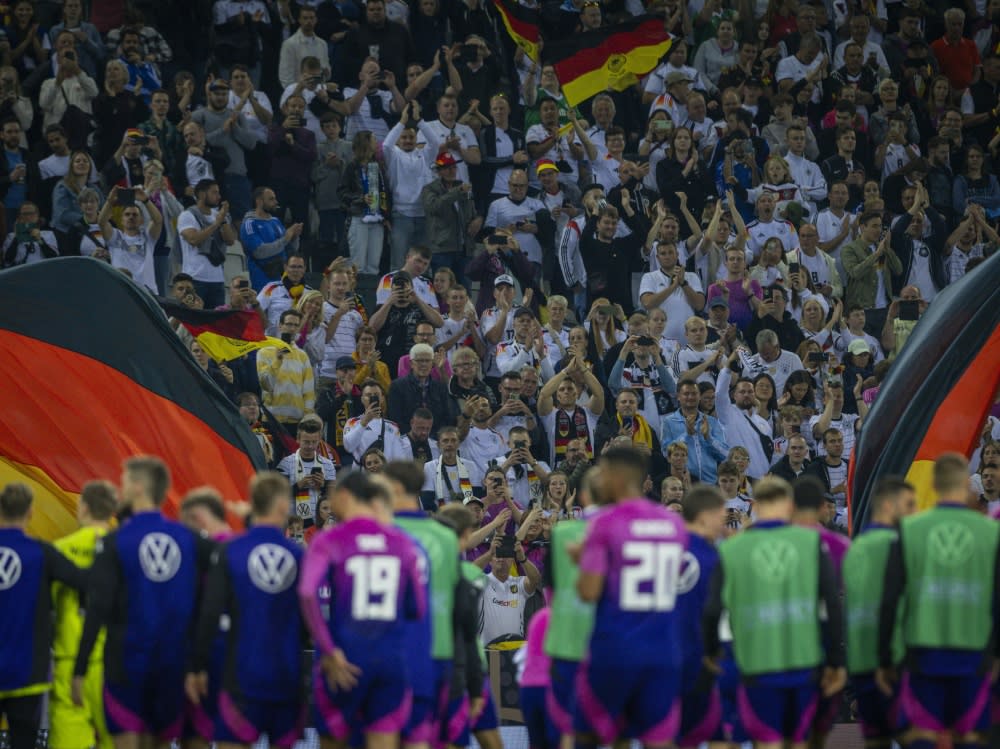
(66, 209)
(975, 185)
(116, 109)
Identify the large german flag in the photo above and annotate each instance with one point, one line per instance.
(938, 392)
(93, 374)
(223, 334)
(521, 23)
(610, 57)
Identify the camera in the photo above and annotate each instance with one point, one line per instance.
(645, 340)
(243, 284)
(498, 239)
(316, 471)
(909, 310)
(126, 196)
(520, 445)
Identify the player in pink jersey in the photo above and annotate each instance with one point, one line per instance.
(361, 683)
(630, 566)
(810, 498)
(542, 733)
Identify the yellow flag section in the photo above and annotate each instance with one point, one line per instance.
(612, 57)
(521, 23)
(53, 511)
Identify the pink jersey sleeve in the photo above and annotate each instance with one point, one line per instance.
(595, 557)
(315, 566)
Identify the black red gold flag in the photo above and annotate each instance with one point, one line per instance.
(223, 334)
(938, 392)
(521, 23)
(611, 57)
(94, 374)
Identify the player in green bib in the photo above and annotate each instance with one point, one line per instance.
(862, 574)
(570, 620)
(944, 564)
(432, 640)
(773, 580)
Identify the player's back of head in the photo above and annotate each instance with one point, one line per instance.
(206, 498)
(407, 473)
(701, 499)
(951, 473)
(15, 501)
(360, 486)
(151, 474)
(626, 463)
(771, 490)
(809, 493)
(887, 490)
(457, 517)
(100, 498)
(266, 489)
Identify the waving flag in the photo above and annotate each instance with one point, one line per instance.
(521, 23)
(938, 391)
(611, 57)
(223, 334)
(93, 374)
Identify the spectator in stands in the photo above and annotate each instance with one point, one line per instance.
(20, 179)
(133, 247)
(451, 220)
(372, 429)
(377, 37)
(240, 27)
(143, 74)
(66, 209)
(266, 241)
(286, 376)
(89, 45)
(26, 39)
(13, 103)
(957, 55)
(870, 263)
(300, 45)
(419, 390)
(28, 242)
(310, 474)
(227, 129)
(161, 130)
(205, 230)
(116, 109)
(198, 161)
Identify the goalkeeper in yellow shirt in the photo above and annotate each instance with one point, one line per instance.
(73, 726)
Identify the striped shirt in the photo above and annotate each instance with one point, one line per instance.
(344, 341)
(286, 383)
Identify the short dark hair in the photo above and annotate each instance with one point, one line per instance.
(15, 501)
(419, 249)
(809, 493)
(699, 499)
(358, 483)
(206, 497)
(408, 473)
(457, 517)
(290, 313)
(310, 425)
(628, 460)
(203, 186)
(869, 216)
(887, 488)
(180, 278)
(423, 413)
(100, 498)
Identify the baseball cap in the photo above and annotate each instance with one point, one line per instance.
(718, 302)
(677, 77)
(469, 500)
(134, 132)
(346, 362)
(858, 346)
(445, 160)
(503, 278)
(544, 165)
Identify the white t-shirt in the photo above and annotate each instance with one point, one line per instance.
(676, 306)
(135, 254)
(194, 263)
(441, 133)
(343, 342)
(363, 118)
(296, 468)
(502, 608)
(481, 445)
(791, 67)
(829, 226)
(258, 128)
(844, 425)
(920, 271)
(558, 152)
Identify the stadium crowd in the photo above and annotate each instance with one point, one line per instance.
(716, 266)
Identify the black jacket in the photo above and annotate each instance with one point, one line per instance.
(406, 396)
(902, 245)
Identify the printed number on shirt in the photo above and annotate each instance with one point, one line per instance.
(375, 588)
(650, 582)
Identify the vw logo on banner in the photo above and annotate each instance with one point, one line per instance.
(159, 557)
(10, 568)
(272, 568)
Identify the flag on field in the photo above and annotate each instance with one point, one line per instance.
(612, 57)
(937, 394)
(93, 374)
(521, 23)
(223, 334)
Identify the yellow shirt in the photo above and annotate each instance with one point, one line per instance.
(79, 548)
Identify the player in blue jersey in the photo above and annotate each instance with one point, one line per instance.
(362, 678)
(143, 589)
(701, 703)
(630, 566)
(253, 583)
(28, 568)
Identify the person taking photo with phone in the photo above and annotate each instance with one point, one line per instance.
(309, 473)
(286, 374)
(133, 246)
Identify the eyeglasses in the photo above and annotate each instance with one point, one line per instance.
(421, 360)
